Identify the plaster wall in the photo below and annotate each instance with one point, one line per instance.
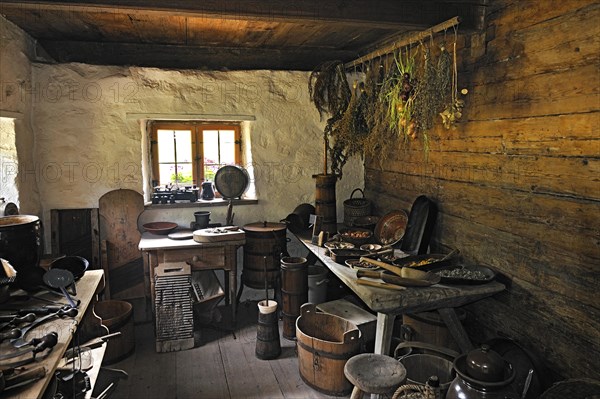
(17, 183)
(90, 138)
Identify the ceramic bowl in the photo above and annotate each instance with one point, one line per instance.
(160, 228)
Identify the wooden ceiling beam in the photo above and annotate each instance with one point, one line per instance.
(192, 57)
(383, 14)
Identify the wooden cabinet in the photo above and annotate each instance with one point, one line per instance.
(74, 232)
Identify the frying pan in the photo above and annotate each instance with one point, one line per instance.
(75, 264)
(60, 278)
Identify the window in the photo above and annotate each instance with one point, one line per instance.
(189, 153)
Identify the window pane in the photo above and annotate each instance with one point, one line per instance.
(168, 141)
(166, 171)
(184, 145)
(209, 171)
(211, 146)
(166, 146)
(184, 174)
(227, 147)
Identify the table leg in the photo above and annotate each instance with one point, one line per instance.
(383, 333)
(456, 329)
(232, 294)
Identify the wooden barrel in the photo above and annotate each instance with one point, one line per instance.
(325, 343)
(117, 316)
(325, 203)
(263, 240)
(294, 292)
(267, 336)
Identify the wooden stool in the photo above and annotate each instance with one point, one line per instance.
(371, 373)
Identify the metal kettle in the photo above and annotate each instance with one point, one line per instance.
(482, 374)
(208, 191)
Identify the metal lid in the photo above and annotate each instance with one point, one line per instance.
(232, 181)
(485, 364)
(261, 227)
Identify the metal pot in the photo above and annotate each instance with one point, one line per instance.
(202, 219)
(21, 244)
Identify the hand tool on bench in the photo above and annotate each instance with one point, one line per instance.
(17, 343)
(14, 321)
(37, 345)
(10, 379)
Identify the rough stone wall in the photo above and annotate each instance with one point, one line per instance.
(17, 182)
(88, 119)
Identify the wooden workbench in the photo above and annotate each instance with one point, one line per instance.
(89, 327)
(159, 249)
(390, 303)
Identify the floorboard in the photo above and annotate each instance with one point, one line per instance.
(223, 365)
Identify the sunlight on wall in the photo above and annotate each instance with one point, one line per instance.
(8, 161)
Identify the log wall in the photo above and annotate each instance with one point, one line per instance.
(518, 183)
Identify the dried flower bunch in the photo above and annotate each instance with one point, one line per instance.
(400, 98)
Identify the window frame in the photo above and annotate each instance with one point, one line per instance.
(197, 128)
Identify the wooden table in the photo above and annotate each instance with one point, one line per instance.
(89, 327)
(200, 256)
(390, 303)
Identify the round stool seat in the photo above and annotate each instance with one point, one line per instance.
(373, 373)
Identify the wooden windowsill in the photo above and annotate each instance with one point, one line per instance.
(201, 203)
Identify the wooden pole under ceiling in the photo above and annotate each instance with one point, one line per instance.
(404, 40)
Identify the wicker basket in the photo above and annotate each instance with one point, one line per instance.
(356, 207)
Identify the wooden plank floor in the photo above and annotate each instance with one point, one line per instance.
(220, 366)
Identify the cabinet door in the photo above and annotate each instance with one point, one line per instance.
(74, 232)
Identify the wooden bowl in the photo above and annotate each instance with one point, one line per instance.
(356, 235)
(160, 228)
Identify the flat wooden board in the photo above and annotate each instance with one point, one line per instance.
(119, 211)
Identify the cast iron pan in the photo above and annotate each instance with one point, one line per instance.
(419, 228)
(75, 264)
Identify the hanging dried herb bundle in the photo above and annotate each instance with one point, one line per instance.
(416, 90)
(380, 136)
(328, 89)
(399, 90)
(453, 111)
(425, 105)
(351, 130)
(443, 80)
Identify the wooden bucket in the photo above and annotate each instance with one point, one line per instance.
(117, 316)
(325, 203)
(263, 239)
(294, 292)
(325, 343)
